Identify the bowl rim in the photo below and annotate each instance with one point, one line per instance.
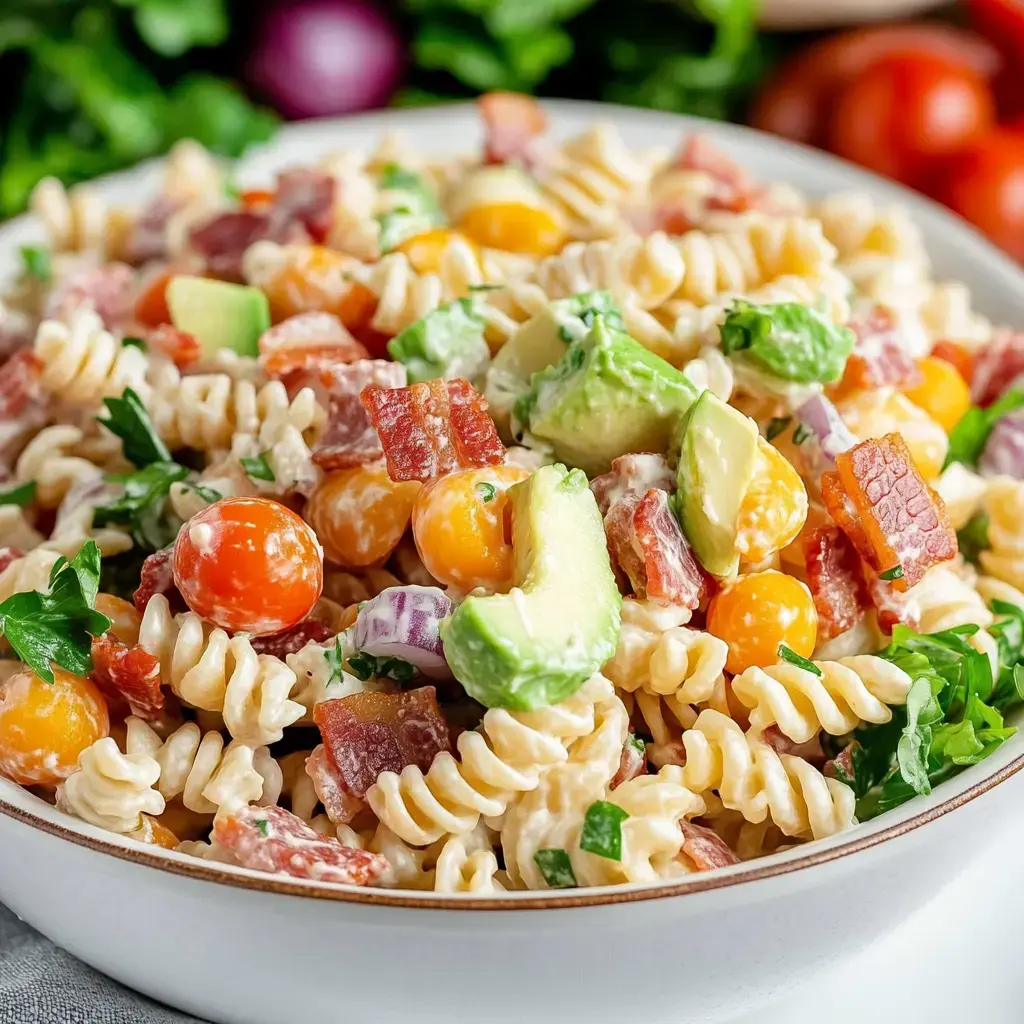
(822, 852)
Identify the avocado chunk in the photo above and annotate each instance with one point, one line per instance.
(717, 457)
(541, 342)
(608, 395)
(537, 644)
(219, 315)
(447, 343)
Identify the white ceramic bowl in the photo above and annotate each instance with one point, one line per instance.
(232, 945)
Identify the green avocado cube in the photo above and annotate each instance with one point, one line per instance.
(537, 644)
(609, 395)
(447, 343)
(218, 314)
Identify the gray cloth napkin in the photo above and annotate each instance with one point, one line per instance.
(41, 984)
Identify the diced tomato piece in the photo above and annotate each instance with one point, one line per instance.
(19, 376)
(151, 308)
(511, 122)
(835, 581)
(707, 849)
(894, 519)
(957, 356)
(427, 430)
(157, 577)
(341, 805)
(275, 840)
(879, 357)
(632, 474)
(632, 762)
(291, 641)
(127, 674)
(182, 348)
(997, 366)
(369, 733)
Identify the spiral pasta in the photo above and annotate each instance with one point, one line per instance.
(462, 867)
(30, 572)
(1004, 505)
(79, 219)
(191, 173)
(16, 531)
(48, 460)
(210, 670)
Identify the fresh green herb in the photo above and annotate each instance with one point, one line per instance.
(231, 190)
(967, 439)
(972, 539)
(58, 626)
(130, 341)
(848, 768)
(37, 262)
(788, 654)
(336, 661)
(602, 830)
(447, 343)
(776, 426)
(637, 744)
(208, 494)
(20, 496)
(801, 433)
(142, 505)
(485, 288)
(367, 666)
(486, 492)
(257, 467)
(129, 420)
(895, 573)
(263, 825)
(790, 340)
(556, 867)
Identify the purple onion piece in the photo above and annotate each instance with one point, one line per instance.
(1003, 454)
(404, 622)
(829, 434)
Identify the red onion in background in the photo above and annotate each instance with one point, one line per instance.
(1004, 450)
(319, 57)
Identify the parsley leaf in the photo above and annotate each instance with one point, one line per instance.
(968, 437)
(637, 744)
(58, 626)
(257, 468)
(129, 420)
(788, 654)
(20, 496)
(263, 825)
(142, 506)
(776, 425)
(336, 661)
(895, 573)
(37, 262)
(367, 666)
(556, 867)
(972, 539)
(131, 341)
(602, 830)
(486, 492)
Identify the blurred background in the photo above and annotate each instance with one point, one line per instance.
(935, 100)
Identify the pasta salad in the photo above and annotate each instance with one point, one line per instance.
(557, 515)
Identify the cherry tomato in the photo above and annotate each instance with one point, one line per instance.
(984, 183)
(426, 249)
(124, 619)
(248, 565)
(45, 726)
(957, 355)
(151, 308)
(514, 227)
(774, 508)
(942, 393)
(154, 833)
(903, 112)
(1002, 22)
(756, 613)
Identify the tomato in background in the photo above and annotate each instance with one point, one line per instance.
(905, 111)
(985, 184)
(1002, 22)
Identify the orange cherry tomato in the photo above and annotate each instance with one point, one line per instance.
(984, 183)
(124, 619)
(151, 308)
(45, 726)
(151, 831)
(942, 393)
(426, 249)
(311, 278)
(906, 111)
(514, 227)
(360, 514)
(756, 613)
(461, 526)
(774, 508)
(248, 565)
(957, 355)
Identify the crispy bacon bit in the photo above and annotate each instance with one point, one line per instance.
(632, 762)
(997, 366)
(645, 541)
(109, 289)
(306, 196)
(632, 474)
(705, 848)
(892, 607)
(291, 641)
(9, 554)
(512, 122)
(809, 750)
(879, 357)
(843, 766)
(148, 237)
(127, 674)
(430, 429)
(19, 376)
(369, 733)
(307, 341)
(275, 840)
(835, 581)
(341, 805)
(157, 577)
(222, 240)
(882, 503)
(182, 348)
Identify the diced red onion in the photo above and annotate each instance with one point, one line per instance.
(829, 432)
(404, 622)
(1003, 454)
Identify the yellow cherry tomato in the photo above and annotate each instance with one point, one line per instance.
(756, 613)
(124, 619)
(462, 530)
(942, 393)
(774, 508)
(310, 278)
(514, 227)
(426, 249)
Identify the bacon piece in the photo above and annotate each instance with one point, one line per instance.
(705, 848)
(879, 357)
(632, 474)
(835, 581)
(810, 750)
(698, 153)
(997, 366)
(19, 377)
(369, 733)
(182, 348)
(148, 237)
(645, 541)
(427, 430)
(127, 674)
(9, 554)
(108, 289)
(843, 766)
(632, 762)
(341, 805)
(223, 238)
(880, 500)
(307, 341)
(291, 641)
(275, 840)
(891, 607)
(157, 577)
(306, 196)
(512, 122)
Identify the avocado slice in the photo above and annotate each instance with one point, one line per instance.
(447, 343)
(537, 644)
(608, 395)
(541, 342)
(218, 314)
(717, 457)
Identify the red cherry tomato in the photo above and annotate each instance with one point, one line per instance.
(904, 112)
(1002, 22)
(797, 102)
(248, 565)
(985, 184)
